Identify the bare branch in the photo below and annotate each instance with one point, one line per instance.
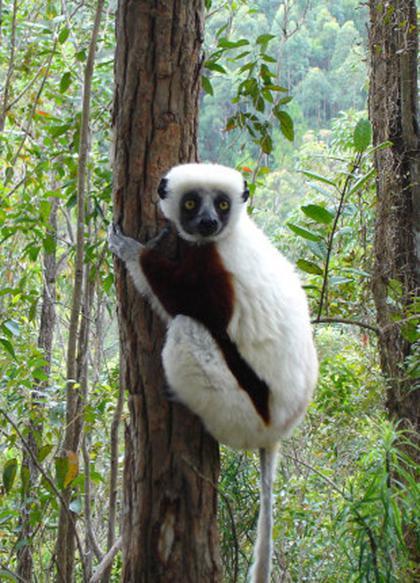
(345, 321)
(106, 561)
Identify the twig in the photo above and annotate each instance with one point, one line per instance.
(106, 561)
(318, 473)
(333, 230)
(345, 321)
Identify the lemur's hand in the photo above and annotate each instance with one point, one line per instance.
(153, 243)
(125, 248)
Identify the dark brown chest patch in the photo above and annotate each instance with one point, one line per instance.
(199, 286)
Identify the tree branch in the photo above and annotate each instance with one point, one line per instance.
(345, 321)
(106, 561)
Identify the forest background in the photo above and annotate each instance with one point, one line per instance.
(284, 99)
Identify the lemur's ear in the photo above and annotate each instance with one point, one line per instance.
(245, 194)
(162, 188)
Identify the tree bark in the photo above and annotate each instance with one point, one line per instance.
(392, 104)
(171, 463)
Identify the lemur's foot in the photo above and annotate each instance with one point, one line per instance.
(126, 248)
(153, 243)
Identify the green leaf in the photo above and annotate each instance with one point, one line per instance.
(56, 131)
(8, 346)
(285, 100)
(264, 39)
(318, 213)
(44, 451)
(224, 43)
(81, 55)
(61, 466)
(318, 177)
(206, 84)
(25, 477)
(266, 144)
(211, 66)
(305, 233)
(362, 135)
(286, 125)
(9, 474)
(63, 36)
(309, 267)
(49, 244)
(65, 82)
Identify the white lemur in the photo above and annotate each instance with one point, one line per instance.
(239, 350)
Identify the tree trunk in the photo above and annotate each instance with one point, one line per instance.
(392, 104)
(171, 463)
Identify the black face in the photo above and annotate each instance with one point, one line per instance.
(204, 213)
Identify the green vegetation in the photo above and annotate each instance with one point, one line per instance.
(284, 100)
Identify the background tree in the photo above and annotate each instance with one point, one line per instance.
(171, 465)
(393, 111)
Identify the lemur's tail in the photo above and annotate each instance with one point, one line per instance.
(261, 568)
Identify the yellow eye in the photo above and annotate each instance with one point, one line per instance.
(224, 205)
(190, 204)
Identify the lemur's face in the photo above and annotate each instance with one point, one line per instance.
(204, 214)
(204, 201)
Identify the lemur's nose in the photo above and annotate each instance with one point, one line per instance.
(207, 226)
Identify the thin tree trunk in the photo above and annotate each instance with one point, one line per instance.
(171, 463)
(392, 104)
(66, 540)
(45, 343)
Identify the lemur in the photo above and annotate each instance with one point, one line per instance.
(239, 350)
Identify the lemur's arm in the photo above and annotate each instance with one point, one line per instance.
(128, 249)
(156, 277)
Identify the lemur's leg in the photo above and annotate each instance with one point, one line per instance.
(199, 378)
